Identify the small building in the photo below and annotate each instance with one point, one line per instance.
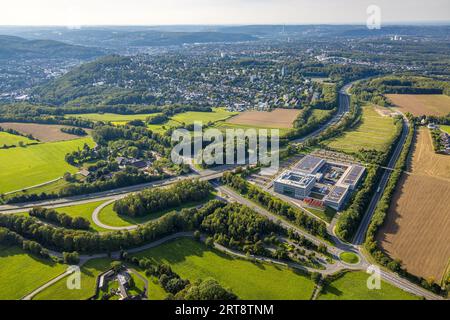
(294, 184)
(84, 172)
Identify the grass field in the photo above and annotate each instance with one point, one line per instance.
(25, 167)
(85, 211)
(352, 286)
(326, 214)
(193, 260)
(422, 104)
(374, 132)
(349, 257)
(9, 139)
(89, 273)
(113, 117)
(416, 229)
(22, 273)
(445, 128)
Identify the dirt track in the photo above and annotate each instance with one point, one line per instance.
(417, 228)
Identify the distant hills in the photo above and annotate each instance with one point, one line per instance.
(12, 47)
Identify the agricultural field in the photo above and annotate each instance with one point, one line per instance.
(117, 119)
(418, 221)
(422, 104)
(278, 118)
(89, 274)
(8, 139)
(187, 118)
(193, 260)
(373, 132)
(352, 286)
(42, 132)
(22, 273)
(36, 164)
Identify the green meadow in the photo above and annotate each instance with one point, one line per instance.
(89, 274)
(21, 273)
(85, 211)
(9, 139)
(352, 286)
(445, 128)
(373, 132)
(193, 260)
(32, 165)
(112, 117)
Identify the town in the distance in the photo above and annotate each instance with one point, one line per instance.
(93, 205)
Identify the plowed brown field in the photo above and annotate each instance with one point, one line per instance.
(278, 118)
(422, 104)
(42, 132)
(417, 228)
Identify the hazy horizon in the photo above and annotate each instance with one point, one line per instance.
(217, 12)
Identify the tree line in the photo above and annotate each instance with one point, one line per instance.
(61, 219)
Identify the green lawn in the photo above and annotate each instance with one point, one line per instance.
(349, 257)
(223, 125)
(113, 117)
(445, 128)
(89, 274)
(21, 273)
(155, 291)
(111, 218)
(374, 132)
(352, 286)
(85, 211)
(32, 165)
(193, 260)
(12, 139)
(326, 214)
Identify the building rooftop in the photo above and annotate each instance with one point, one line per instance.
(353, 175)
(309, 164)
(337, 193)
(297, 179)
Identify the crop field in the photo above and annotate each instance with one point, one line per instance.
(352, 286)
(193, 260)
(278, 118)
(416, 230)
(89, 273)
(113, 117)
(373, 132)
(32, 165)
(422, 104)
(9, 139)
(22, 273)
(42, 132)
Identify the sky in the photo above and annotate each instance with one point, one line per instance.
(210, 12)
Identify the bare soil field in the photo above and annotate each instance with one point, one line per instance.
(422, 104)
(278, 118)
(416, 230)
(42, 132)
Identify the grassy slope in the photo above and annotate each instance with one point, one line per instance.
(111, 218)
(85, 211)
(192, 260)
(22, 273)
(374, 132)
(24, 167)
(12, 139)
(352, 286)
(89, 273)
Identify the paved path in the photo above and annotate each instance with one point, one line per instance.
(35, 186)
(105, 226)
